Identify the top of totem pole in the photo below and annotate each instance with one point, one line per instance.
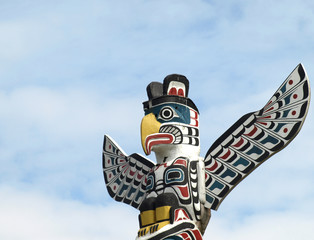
(175, 194)
(175, 88)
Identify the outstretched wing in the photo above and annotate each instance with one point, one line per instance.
(255, 137)
(125, 176)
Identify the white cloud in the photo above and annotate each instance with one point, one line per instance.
(32, 215)
(292, 224)
(67, 113)
(53, 137)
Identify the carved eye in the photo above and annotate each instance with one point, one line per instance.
(150, 183)
(167, 113)
(175, 176)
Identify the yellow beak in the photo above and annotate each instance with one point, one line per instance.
(149, 126)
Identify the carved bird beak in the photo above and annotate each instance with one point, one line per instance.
(150, 135)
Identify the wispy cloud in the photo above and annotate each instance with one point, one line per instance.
(32, 215)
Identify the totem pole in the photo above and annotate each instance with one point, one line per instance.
(176, 194)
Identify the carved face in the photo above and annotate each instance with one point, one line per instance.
(172, 178)
(169, 125)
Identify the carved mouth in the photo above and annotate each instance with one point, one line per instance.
(158, 138)
(175, 131)
(168, 134)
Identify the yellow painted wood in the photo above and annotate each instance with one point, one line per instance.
(148, 217)
(163, 213)
(149, 126)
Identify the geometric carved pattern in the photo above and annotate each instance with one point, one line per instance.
(255, 137)
(125, 176)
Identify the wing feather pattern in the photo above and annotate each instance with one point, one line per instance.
(125, 176)
(255, 137)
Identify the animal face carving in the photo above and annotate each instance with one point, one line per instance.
(171, 119)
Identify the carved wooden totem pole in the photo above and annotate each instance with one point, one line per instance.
(175, 195)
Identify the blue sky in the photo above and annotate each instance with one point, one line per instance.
(72, 71)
